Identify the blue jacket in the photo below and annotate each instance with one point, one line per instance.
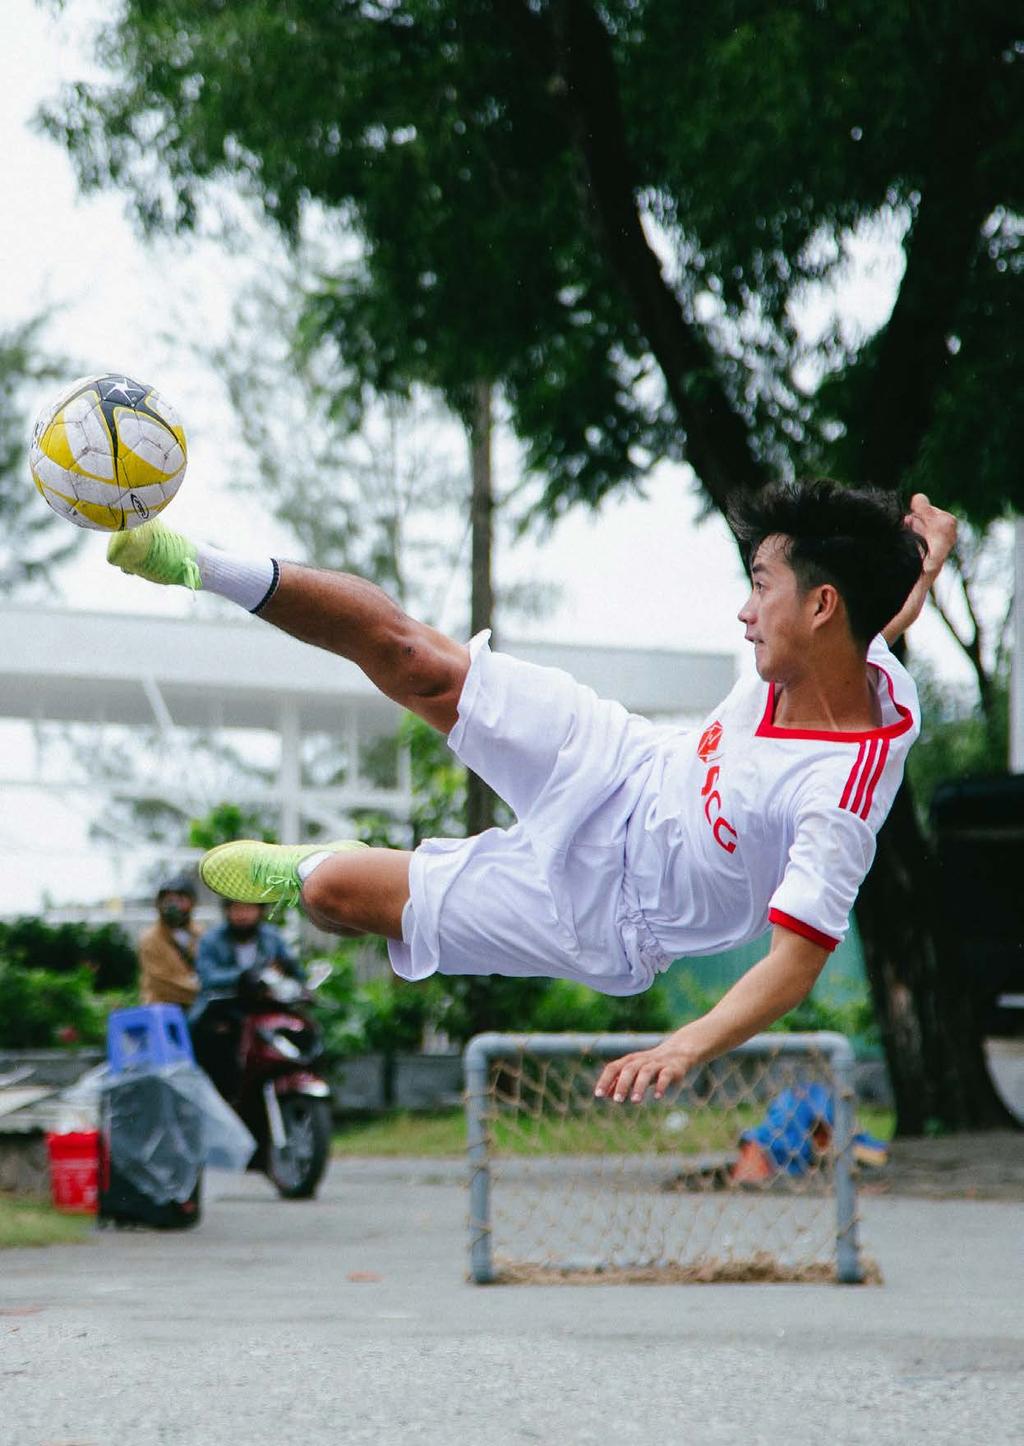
(217, 962)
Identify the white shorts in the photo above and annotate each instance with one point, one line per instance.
(547, 896)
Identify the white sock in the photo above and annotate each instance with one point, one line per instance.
(309, 863)
(249, 582)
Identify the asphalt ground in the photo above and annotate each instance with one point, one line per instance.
(349, 1319)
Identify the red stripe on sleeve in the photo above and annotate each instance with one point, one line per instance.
(869, 796)
(865, 774)
(806, 931)
(853, 775)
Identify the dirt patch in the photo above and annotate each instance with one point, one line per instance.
(988, 1166)
(761, 1268)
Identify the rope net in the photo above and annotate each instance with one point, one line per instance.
(730, 1179)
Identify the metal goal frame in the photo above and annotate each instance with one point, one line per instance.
(484, 1048)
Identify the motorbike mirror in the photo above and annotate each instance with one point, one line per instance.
(319, 971)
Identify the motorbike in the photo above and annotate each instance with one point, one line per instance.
(276, 1090)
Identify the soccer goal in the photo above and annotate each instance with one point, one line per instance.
(745, 1173)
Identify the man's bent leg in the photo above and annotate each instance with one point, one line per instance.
(363, 892)
(344, 884)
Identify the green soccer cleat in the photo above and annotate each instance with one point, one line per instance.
(154, 552)
(261, 873)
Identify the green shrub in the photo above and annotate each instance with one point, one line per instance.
(104, 950)
(566, 1006)
(396, 1014)
(40, 1009)
(853, 1017)
(386, 1016)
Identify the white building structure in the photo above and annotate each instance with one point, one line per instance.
(179, 679)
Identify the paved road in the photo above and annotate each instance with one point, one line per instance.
(256, 1328)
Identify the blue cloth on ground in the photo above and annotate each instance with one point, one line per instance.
(786, 1132)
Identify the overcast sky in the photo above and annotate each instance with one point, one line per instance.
(641, 572)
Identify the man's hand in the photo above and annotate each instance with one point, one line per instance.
(938, 529)
(765, 993)
(661, 1067)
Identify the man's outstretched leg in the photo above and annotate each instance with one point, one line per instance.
(415, 665)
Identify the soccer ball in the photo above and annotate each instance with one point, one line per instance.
(109, 453)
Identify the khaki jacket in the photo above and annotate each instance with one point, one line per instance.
(165, 977)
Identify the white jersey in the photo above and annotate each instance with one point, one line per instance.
(743, 824)
(638, 843)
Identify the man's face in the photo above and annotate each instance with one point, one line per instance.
(175, 909)
(243, 919)
(776, 615)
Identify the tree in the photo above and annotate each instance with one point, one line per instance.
(382, 501)
(611, 212)
(983, 560)
(34, 540)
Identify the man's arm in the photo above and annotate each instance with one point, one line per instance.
(766, 992)
(938, 529)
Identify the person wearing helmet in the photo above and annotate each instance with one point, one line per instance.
(167, 950)
(230, 960)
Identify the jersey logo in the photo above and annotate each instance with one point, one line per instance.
(707, 748)
(722, 831)
(859, 793)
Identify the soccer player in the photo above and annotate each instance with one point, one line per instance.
(634, 843)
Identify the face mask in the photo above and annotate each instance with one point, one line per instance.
(242, 933)
(174, 916)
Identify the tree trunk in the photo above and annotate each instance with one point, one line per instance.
(925, 1004)
(479, 798)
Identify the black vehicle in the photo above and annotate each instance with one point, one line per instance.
(979, 825)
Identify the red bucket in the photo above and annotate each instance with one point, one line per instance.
(74, 1171)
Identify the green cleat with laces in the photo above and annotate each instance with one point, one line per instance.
(261, 873)
(156, 553)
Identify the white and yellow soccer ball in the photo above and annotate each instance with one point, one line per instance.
(109, 453)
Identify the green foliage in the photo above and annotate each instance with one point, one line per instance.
(438, 782)
(104, 952)
(396, 1014)
(226, 822)
(566, 1006)
(453, 138)
(957, 740)
(389, 1015)
(438, 786)
(385, 1015)
(821, 1010)
(41, 1010)
(34, 540)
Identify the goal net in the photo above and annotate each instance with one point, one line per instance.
(744, 1173)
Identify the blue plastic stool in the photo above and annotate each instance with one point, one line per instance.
(148, 1037)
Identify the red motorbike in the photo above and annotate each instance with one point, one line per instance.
(276, 1090)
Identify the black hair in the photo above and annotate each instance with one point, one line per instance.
(854, 538)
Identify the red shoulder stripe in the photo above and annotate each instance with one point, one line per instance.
(870, 794)
(865, 774)
(853, 776)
